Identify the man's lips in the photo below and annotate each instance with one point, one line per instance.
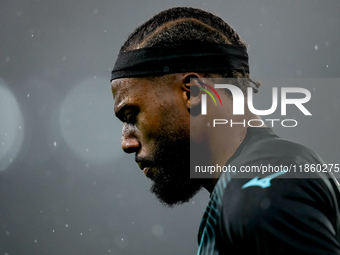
(145, 170)
(145, 166)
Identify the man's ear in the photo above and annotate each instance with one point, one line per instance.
(191, 85)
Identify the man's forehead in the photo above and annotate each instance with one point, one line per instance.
(125, 86)
(119, 85)
(121, 89)
(126, 89)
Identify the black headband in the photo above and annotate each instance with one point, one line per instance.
(180, 58)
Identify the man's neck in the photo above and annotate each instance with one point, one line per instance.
(222, 145)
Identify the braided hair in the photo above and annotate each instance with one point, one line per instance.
(183, 24)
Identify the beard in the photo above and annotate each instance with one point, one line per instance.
(172, 184)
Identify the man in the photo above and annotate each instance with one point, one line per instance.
(162, 71)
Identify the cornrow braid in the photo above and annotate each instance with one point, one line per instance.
(183, 24)
(140, 33)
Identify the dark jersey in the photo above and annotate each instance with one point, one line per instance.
(282, 212)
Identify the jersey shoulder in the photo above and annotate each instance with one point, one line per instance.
(270, 147)
(290, 215)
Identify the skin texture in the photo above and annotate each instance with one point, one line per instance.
(156, 128)
(156, 116)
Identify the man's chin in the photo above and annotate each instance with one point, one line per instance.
(172, 195)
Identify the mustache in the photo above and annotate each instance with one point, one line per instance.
(144, 162)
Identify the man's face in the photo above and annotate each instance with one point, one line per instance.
(156, 127)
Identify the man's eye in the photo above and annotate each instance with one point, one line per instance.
(130, 118)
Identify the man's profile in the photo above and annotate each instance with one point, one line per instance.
(161, 72)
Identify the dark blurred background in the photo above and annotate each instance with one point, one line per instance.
(65, 185)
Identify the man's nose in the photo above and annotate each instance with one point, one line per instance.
(129, 141)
